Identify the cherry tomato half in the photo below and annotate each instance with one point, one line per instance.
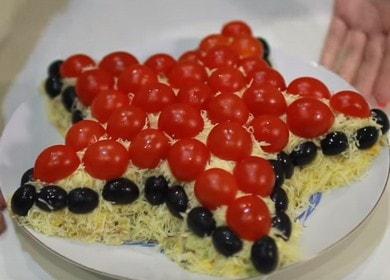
(106, 160)
(84, 133)
(227, 107)
(154, 97)
(106, 102)
(267, 76)
(220, 56)
(116, 62)
(135, 77)
(350, 103)
(255, 175)
(160, 63)
(148, 148)
(309, 87)
(270, 129)
(74, 65)
(187, 158)
(227, 79)
(212, 41)
(236, 28)
(196, 95)
(247, 46)
(55, 163)
(309, 117)
(215, 187)
(252, 64)
(229, 141)
(249, 217)
(186, 73)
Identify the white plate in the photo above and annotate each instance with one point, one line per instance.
(338, 214)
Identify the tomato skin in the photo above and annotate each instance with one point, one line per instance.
(351, 104)
(191, 56)
(252, 64)
(308, 117)
(309, 87)
(249, 217)
(154, 97)
(55, 163)
(227, 107)
(236, 28)
(106, 160)
(91, 82)
(160, 63)
(180, 121)
(226, 79)
(215, 187)
(212, 41)
(196, 95)
(148, 148)
(187, 158)
(247, 46)
(220, 56)
(255, 175)
(229, 141)
(135, 77)
(265, 100)
(186, 73)
(83, 133)
(116, 62)
(270, 129)
(74, 65)
(267, 76)
(126, 122)
(106, 102)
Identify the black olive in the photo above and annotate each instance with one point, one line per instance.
(283, 223)
(280, 198)
(53, 86)
(176, 200)
(264, 255)
(120, 191)
(381, 119)
(366, 137)
(200, 220)
(226, 241)
(266, 47)
(286, 163)
(77, 116)
(68, 97)
(54, 68)
(23, 199)
(51, 198)
(156, 189)
(304, 154)
(28, 176)
(334, 143)
(279, 173)
(82, 200)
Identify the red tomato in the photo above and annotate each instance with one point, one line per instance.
(83, 133)
(256, 176)
(267, 76)
(229, 141)
(106, 102)
(106, 160)
(148, 148)
(55, 163)
(212, 41)
(308, 87)
(196, 95)
(160, 63)
(154, 97)
(116, 62)
(74, 65)
(220, 56)
(227, 79)
(215, 187)
(309, 117)
(249, 217)
(253, 63)
(270, 129)
(135, 77)
(91, 82)
(247, 46)
(227, 107)
(187, 159)
(191, 56)
(265, 100)
(351, 104)
(236, 28)
(187, 73)
(126, 122)
(180, 121)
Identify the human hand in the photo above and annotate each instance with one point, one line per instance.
(357, 46)
(2, 206)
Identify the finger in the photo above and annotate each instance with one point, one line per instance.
(2, 201)
(351, 55)
(333, 42)
(382, 83)
(2, 223)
